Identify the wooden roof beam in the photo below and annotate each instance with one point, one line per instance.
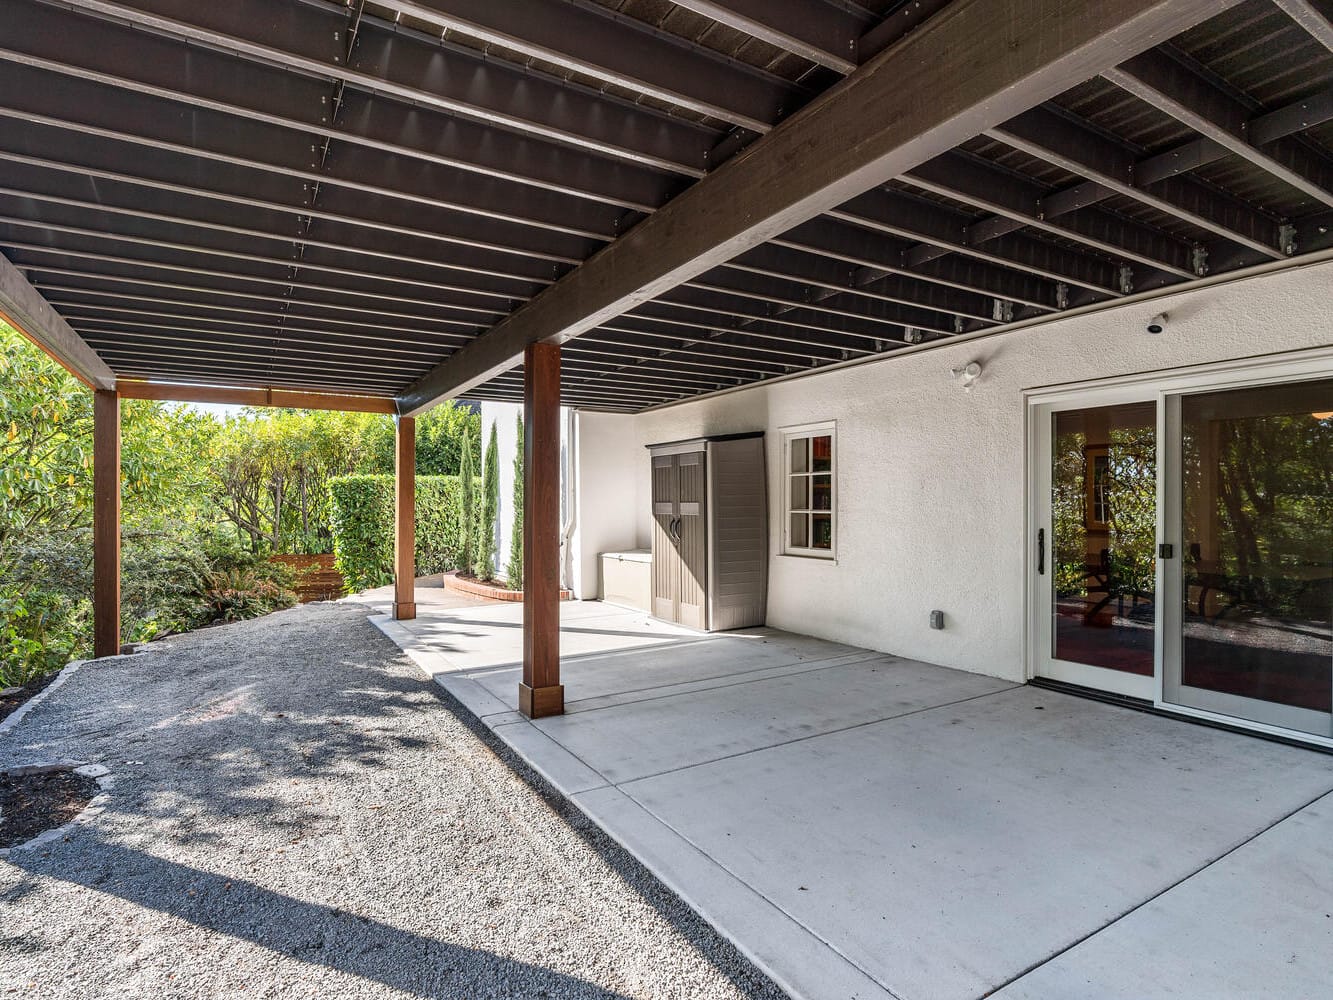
(24, 308)
(976, 64)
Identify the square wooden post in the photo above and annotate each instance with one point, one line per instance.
(541, 692)
(106, 522)
(405, 529)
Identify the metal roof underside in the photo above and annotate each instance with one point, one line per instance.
(337, 196)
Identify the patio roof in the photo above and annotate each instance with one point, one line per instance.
(395, 198)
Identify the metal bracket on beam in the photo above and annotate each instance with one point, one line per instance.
(1199, 260)
(1125, 279)
(1002, 311)
(1061, 295)
(1286, 238)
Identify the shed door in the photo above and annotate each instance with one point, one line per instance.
(680, 540)
(666, 560)
(691, 541)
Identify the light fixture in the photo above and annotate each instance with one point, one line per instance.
(968, 374)
(1322, 416)
(1157, 324)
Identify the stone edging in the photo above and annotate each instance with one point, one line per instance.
(13, 718)
(452, 581)
(90, 812)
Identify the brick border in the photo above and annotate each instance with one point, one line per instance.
(464, 585)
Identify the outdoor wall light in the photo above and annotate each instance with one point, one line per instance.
(968, 374)
(1157, 324)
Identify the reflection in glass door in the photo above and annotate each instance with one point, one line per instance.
(1097, 529)
(1251, 627)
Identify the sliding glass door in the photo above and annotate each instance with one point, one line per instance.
(1250, 629)
(1182, 545)
(1096, 535)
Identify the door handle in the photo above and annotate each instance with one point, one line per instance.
(1041, 551)
(675, 528)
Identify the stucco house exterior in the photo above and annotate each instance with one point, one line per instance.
(940, 499)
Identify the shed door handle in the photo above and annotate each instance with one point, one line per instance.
(1041, 551)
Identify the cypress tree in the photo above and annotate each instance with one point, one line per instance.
(467, 513)
(514, 570)
(490, 485)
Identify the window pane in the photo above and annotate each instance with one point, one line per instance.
(800, 532)
(800, 492)
(1104, 536)
(821, 530)
(823, 495)
(822, 447)
(800, 455)
(1257, 520)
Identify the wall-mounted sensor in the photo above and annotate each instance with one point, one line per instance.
(937, 619)
(1157, 324)
(967, 374)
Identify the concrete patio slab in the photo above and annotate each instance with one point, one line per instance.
(1256, 923)
(867, 826)
(958, 847)
(669, 732)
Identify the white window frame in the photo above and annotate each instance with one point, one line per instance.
(788, 434)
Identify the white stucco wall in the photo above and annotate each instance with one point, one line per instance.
(607, 490)
(930, 478)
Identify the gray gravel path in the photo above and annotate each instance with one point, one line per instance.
(297, 813)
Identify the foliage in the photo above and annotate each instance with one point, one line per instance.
(233, 595)
(362, 523)
(514, 569)
(273, 469)
(468, 529)
(439, 437)
(1266, 513)
(1131, 512)
(204, 501)
(484, 563)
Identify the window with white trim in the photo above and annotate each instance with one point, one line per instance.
(809, 493)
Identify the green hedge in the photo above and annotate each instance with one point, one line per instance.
(361, 520)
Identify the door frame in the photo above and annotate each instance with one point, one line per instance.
(1161, 385)
(1038, 589)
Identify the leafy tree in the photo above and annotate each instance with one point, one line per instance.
(468, 475)
(490, 506)
(439, 437)
(514, 569)
(46, 509)
(273, 469)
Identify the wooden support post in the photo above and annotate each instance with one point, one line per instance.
(541, 692)
(405, 529)
(106, 522)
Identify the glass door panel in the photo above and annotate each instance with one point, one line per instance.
(1253, 617)
(1100, 516)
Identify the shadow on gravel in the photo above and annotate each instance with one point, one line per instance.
(308, 698)
(319, 935)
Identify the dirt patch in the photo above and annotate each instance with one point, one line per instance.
(11, 703)
(34, 803)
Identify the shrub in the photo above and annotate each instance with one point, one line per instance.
(468, 527)
(233, 595)
(484, 563)
(514, 570)
(362, 521)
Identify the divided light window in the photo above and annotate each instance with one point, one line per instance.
(809, 472)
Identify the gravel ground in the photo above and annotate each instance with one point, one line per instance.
(297, 813)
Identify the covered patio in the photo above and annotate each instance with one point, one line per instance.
(864, 825)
